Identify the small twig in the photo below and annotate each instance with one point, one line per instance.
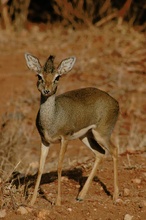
(13, 170)
(106, 19)
(129, 162)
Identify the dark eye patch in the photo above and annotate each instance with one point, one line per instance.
(39, 77)
(57, 78)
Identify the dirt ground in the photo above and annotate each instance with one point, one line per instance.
(111, 58)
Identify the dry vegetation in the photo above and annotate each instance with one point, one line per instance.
(15, 14)
(111, 57)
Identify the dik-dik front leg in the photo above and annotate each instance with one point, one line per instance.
(44, 153)
(64, 144)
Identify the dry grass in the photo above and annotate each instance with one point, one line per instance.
(16, 132)
(16, 137)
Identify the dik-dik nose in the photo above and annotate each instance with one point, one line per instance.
(46, 91)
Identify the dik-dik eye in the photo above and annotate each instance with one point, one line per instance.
(57, 78)
(40, 77)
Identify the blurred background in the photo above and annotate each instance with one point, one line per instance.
(108, 38)
(16, 14)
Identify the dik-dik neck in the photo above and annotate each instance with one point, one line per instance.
(47, 108)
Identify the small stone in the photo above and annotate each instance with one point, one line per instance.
(2, 213)
(22, 210)
(142, 204)
(126, 192)
(77, 186)
(136, 180)
(119, 201)
(128, 217)
(101, 188)
(69, 209)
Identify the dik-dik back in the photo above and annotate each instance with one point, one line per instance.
(79, 109)
(89, 114)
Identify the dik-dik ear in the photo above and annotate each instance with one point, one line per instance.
(33, 63)
(66, 65)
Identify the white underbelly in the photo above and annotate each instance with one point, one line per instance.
(71, 136)
(80, 133)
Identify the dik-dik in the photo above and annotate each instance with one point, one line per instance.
(88, 114)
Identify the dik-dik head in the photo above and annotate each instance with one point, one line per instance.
(48, 75)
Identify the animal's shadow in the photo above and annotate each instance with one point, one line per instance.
(75, 174)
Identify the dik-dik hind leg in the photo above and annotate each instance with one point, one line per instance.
(44, 153)
(60, 162)
(114, 152)
(98, 157)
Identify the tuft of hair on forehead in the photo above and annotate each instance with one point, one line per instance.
(49, 65)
